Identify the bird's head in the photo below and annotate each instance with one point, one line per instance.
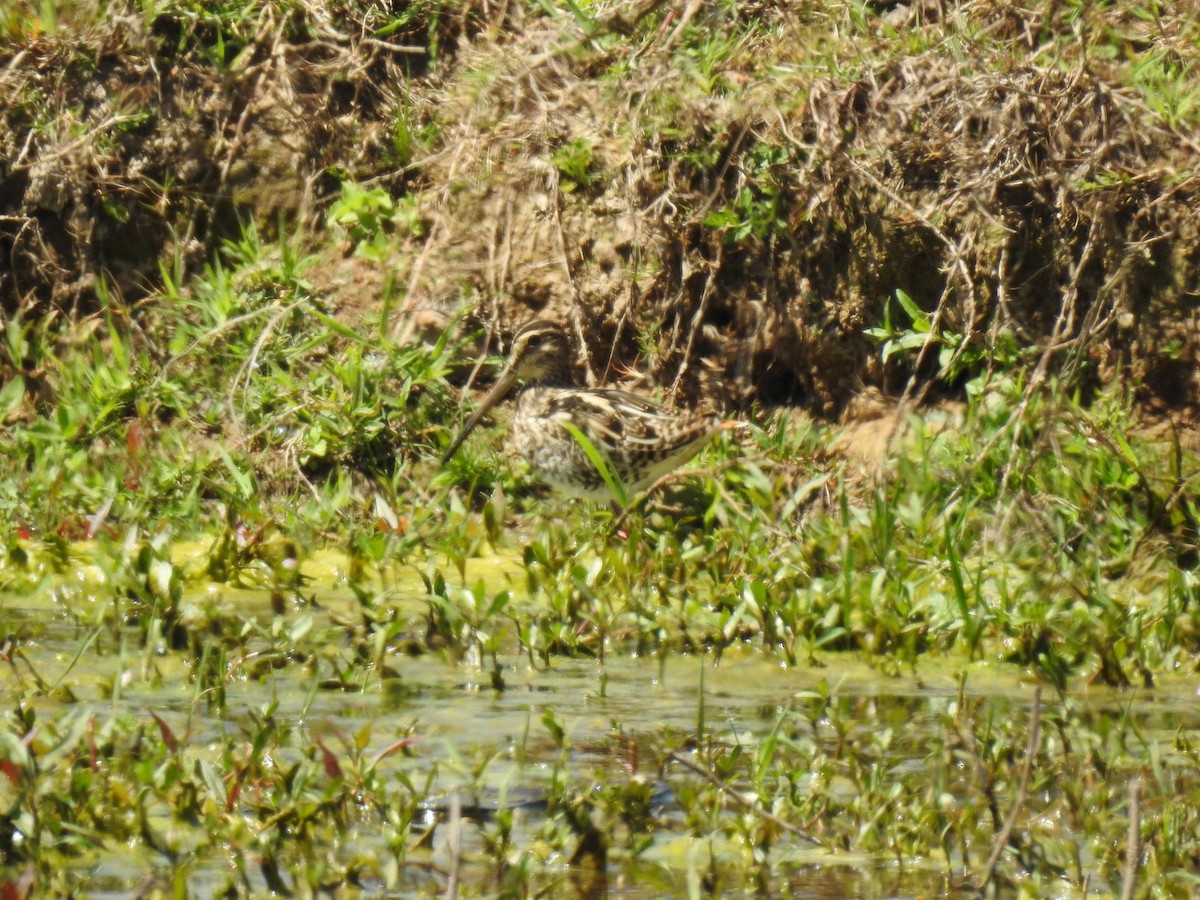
(540, 351)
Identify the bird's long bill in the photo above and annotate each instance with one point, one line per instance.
(507, 378)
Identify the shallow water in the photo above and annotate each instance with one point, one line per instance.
(607, 709)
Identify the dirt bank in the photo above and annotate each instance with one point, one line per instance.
(724, 198)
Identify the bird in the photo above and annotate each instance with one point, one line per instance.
(641, 440)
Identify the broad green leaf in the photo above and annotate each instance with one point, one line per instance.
(11, 396)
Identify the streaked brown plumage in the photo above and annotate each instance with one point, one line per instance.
(642, 439)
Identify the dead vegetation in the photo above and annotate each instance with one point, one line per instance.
(135, 138)
(761, 221)
(723, 196)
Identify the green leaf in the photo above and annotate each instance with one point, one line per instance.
(11, 396)
(960, 588)
(602, 463)
(243, 479)
(920, 321)
(211, 777)
(499, 603)
(554, 727)
(341, 328)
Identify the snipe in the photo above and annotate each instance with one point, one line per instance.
(641, 439)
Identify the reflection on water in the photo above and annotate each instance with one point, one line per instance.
(608, 712)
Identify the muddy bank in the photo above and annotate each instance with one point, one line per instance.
(724, 200)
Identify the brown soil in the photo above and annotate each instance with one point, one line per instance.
(729, 226)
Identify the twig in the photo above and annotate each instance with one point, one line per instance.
(1035, 734)
(577, 300)
(730, 153)
(401, 337)
(235, 141)
(251, 363)
(1133, 849)
(957, 255)
(10, 652)
(742, 800)
(100, 128)
(454, 840)
(402, 49)
(688, 12)
(698, 318)
(14, 65)
(1064, 325)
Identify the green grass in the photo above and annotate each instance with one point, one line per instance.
(175, 469)
(1038, 530)
(237, 389)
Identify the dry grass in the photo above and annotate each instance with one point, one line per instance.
(724, 196)
(137, 137)
(751, 211)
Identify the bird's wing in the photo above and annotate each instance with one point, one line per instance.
(622, 422)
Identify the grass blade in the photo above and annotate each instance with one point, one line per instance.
(603, 464)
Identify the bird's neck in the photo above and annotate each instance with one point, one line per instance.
(558, 377)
